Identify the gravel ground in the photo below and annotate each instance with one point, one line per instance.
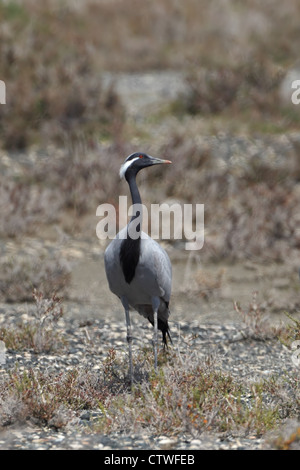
(232, 346)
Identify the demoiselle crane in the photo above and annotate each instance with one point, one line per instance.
(138, 269)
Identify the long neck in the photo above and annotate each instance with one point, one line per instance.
(136, 201)
(134, 190)
(131, 245)
(137, 217)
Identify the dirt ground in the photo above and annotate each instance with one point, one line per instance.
(202, 292)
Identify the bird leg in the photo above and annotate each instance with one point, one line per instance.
(155, 341)
(129, 338)
(129, 341)
(155, 305)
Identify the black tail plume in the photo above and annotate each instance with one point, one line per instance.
(163, 326)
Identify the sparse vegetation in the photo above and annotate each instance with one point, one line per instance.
(189, 396)
(255, 319)
(250, 86)
(63, 137)
(48, 399)
(250, 206)
(53, 54)
(291, 332)
(23, 206)
(20, 277)
(194, 399)
(37, 334)
(54, 88)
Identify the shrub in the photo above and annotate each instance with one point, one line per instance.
(20, 276)
(54, 90)
(37, 334)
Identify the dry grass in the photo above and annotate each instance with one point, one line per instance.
(53, 54)
(25, 206)
(191, 396)
(256, 321)
(291, 332)
(251, 85)
(251, 207)
(165, 34)
(54, 91)
(248, 92)
(187, 395)
(58, 188)
(38, 334)
(48, 399)
(82, 180)
(19, 277)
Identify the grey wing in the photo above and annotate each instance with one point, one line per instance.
(112, 262)
(112, 265)
(156, 260)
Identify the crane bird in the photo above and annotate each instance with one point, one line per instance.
(138, 269)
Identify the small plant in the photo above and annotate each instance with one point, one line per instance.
(48, 312)
(39, 333)
(47, 398)
(253, 317)
(291, 331)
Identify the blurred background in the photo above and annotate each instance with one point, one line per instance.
(207, 85)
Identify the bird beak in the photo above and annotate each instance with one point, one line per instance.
(156, 161)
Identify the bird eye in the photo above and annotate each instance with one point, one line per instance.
(141, 156)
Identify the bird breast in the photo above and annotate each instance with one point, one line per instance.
(153, 273)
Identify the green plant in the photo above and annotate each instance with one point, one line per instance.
(291, 331)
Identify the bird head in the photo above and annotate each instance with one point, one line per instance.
(136, 162)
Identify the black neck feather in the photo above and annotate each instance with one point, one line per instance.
(130, 247)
